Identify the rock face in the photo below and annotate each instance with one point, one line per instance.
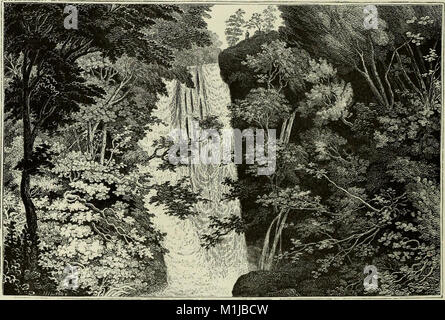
(292, 282)
(253, 257)
(240, 78)
(283, 293)
(266, 284)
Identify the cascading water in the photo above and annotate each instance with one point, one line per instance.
(193, 270)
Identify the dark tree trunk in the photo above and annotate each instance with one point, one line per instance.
(31, 220)
(25, 193)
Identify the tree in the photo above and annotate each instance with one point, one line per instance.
(48, 83)
(262, 107)
(51, 84)
(279, 67)
(370, 180)
(277, 70)
(269, 17)
(234, 27)
(342, 196)
(330, 98)
(256, 22)
(338, 34)
(276, 65)
(188, 27)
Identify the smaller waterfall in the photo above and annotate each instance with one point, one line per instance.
(193, 270)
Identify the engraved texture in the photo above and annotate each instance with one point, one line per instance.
(193, 270)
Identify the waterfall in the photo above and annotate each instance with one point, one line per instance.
(193, 270)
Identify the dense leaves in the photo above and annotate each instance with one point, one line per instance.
(357, 175)
(78, 102)
(357, 182)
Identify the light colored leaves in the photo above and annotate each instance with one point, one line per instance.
(329, 98)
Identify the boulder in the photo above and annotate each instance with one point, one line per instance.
(266, 284)
(283, 293)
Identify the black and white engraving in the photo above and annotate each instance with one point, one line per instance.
(219, 150)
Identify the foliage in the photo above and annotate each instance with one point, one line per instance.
(234, 27)
(262, 107)
(329, 98)
(200, 55)
(17, 280)
(357, 176)
(84, 100)
(264, 21)
(338, 35)
(277, 65)
(269, 18)
(186, 28)
(178, 199)
(255, 22)
(358, 181)
(222, 227)
(240, 78)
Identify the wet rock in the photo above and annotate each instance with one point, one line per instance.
(253, 257)
(266, 284)
(283, 293)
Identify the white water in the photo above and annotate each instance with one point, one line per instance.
(193, 270)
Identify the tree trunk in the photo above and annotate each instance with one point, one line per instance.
(89, 147)
(379, 82)
(104, 144)
(25, 193)
(372, 86)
